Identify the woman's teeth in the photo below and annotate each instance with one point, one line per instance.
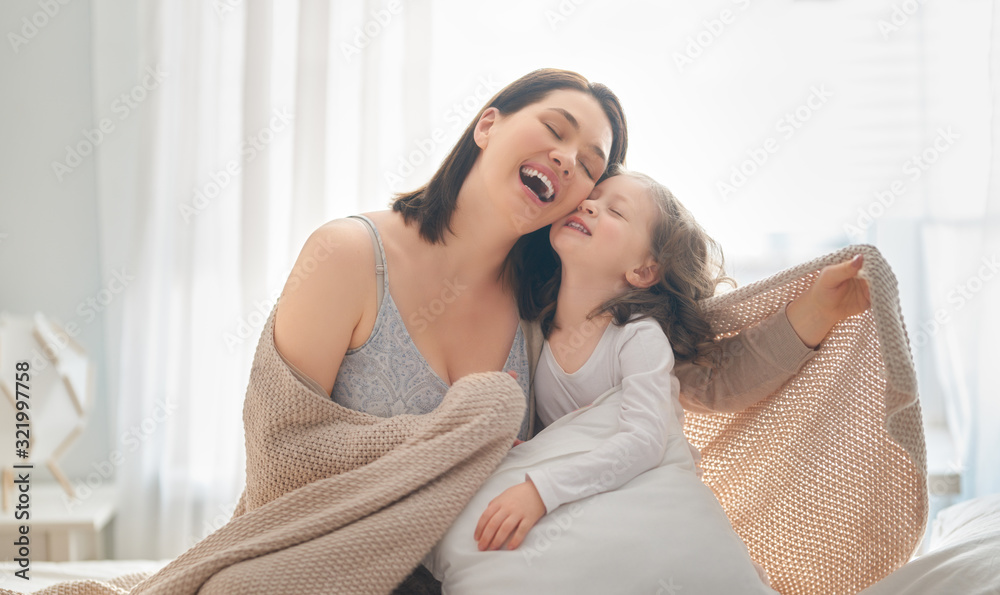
(538, 183)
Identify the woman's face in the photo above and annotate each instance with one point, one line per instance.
(538, 164)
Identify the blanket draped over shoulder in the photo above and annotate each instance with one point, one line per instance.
(825, 480)
(338, 501)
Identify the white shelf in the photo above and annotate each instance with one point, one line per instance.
(63, 529)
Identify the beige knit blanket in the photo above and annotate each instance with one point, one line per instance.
(338, 501)
(825, 480)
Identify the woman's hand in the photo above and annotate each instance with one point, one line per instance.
(837, 293)
(515, 511)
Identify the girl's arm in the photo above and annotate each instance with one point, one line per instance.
(756, 362)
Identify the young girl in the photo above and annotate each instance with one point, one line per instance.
(633, 263)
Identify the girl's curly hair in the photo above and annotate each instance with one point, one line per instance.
(690, 268)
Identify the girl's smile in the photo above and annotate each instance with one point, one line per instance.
(574, 222)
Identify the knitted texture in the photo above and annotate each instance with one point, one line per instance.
(338, 501)
(826, 479)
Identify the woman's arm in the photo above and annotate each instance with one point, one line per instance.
(324, 300)
(760, 359)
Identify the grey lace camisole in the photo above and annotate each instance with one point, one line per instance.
(387, 375)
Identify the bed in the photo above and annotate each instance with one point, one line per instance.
(962, 555)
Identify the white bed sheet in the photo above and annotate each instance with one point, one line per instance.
(963, 556)
(44, 574)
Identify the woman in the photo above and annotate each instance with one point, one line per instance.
(468, 254)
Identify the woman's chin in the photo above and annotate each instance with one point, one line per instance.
(532, 199)
(529, 213)
(528, 216)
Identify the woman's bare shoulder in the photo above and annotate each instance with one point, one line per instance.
(325, 297)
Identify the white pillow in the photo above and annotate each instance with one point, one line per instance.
(964, 555)
(663, 532)
(969, 520)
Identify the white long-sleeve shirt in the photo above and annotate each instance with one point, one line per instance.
(637, 356)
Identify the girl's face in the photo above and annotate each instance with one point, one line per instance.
(608, 236)
(539, 163)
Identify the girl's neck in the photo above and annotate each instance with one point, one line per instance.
(579, 296)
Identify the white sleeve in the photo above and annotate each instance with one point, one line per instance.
(650, 394)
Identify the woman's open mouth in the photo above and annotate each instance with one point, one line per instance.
(538, 183)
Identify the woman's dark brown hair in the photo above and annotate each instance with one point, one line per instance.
(690, 267)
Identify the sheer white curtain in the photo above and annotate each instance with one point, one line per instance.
(985, 438)
(961, 254)
(249, 138)
(946, 237)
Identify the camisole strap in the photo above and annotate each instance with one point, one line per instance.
(379, 256)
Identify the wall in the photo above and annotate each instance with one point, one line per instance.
(50, 257)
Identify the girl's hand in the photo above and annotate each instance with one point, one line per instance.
(515, 511)
(837, 293)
